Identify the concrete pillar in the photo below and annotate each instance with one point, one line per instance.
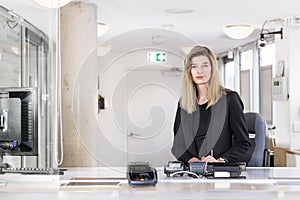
(78, 39)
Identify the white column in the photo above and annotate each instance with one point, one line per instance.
(78, 39)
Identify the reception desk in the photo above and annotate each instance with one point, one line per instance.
(111, 183)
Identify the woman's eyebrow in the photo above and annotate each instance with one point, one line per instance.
(206, 62)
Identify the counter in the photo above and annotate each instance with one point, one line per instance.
(111, 183)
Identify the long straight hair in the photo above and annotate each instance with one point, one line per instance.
(189, 94)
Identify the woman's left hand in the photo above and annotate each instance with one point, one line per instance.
(209, 158)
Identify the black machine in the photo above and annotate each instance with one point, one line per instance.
(141, 174)
(198, 168)
(209, 170)
(226, 170)
(32, 171)
(18, 121)
(178, 168)
(173, 167)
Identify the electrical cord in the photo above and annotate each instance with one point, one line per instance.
(59, 135)
(185, 172)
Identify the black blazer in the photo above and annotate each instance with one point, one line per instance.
(227, 132)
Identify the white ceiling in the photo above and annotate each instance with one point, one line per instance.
(135, 20)
(132, 23)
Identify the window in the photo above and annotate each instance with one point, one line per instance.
(10, 53)
(247, 60)
(267, 61)
(229, 75)
(26, 107)
(246, 84)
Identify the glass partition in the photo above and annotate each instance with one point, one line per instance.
(10, 51)
(25, 58)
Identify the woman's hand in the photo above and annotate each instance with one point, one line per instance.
(194, 159)
(206, 159)
(210, 159)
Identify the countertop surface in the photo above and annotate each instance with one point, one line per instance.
(112, 183)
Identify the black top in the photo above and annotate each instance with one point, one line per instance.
(221, 127)
(203, 125)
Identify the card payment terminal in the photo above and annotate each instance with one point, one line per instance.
(141, 173)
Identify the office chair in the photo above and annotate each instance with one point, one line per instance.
(256, 125)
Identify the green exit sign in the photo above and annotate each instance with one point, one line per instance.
(157, 56)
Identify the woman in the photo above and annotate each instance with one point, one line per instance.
(209, 125)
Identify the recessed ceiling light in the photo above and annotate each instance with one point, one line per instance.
(157, 39)
(187, 49)
(167, 26)
(179, 11)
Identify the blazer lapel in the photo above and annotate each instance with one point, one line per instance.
(218, 116)
(190, 123)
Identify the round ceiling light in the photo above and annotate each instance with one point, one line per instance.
(52, 3)
(238, 31)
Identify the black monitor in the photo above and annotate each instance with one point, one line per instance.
(18, 122)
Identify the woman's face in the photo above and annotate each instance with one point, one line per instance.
(201, 70)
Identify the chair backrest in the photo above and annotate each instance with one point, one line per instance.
(256, 125)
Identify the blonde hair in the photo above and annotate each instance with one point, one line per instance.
(189, 93)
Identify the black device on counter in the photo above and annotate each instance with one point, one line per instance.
(30, 171)
(173, 167)
(141, 174)
(178, 168)
(198, 168)
(226, 170)
(210, 170)
(18, 122)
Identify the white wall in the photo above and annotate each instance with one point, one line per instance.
(288, 112)
(294, 86)
(292, 159)
(140, 100)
